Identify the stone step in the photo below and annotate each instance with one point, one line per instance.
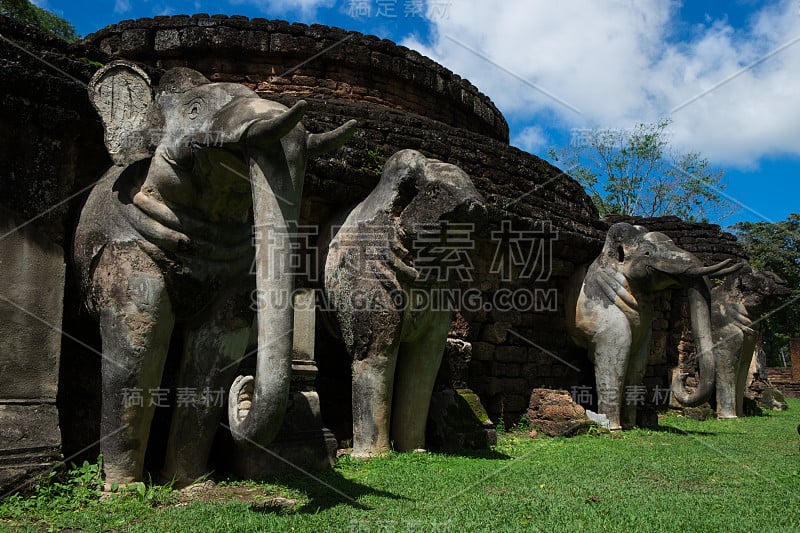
(780, 374)
(790, 389)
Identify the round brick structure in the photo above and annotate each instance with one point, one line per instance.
(306, 61)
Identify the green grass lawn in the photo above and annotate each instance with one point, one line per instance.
(716, 475)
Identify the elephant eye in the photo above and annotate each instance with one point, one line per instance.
(194, 109)
(647, 254)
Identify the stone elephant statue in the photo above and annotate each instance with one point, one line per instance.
(610, 310)
(373, 282)
(165, 241)
(736, 304)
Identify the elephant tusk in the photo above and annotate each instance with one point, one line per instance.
(268, 130)
(729, 270)
(320, 143)
(711, 270)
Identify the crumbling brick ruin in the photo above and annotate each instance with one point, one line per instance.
(52, 152)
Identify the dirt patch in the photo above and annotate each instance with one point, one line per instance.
(256, 497)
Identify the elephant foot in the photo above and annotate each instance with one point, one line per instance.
(726, 416)
(366, 455)
(119, 476)
(179, 480)
(113, 488)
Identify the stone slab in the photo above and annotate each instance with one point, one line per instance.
(30, 441)
(31, 306)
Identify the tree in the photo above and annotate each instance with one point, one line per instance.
(24, 11)
(635, 173)
(776, 247)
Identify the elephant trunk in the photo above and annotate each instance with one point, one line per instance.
(699, 306)
(257, 404)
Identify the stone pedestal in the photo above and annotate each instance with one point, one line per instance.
(457, 421)
(303, 442)
(31, 303)
(794, 347)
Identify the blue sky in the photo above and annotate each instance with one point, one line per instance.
(553, 67)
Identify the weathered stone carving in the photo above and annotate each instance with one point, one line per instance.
(759, 387)
(610, 310)
(735, 305)
(165, 241)
(372, 279)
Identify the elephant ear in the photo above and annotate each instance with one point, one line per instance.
(619, 232)
(122, 95)
(619, 236)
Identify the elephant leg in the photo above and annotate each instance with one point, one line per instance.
(373, 381)
(213, 349)
(136, 321)
(373, 386)
(742, 373)
(637, 368)
(728, 350)
(611, 354)
(417, 365)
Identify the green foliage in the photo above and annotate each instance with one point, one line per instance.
(148, 493)
(67, 491)
(375, 161)
(776, 247)
(633, 481)
(95, 64)
(24, 11)
(635, 173)
(71, 499)
(524, 423)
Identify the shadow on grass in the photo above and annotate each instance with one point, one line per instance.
(475, 454)
(678, 431)
(328, 490)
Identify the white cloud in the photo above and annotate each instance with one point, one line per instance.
(122, 6)
(164, 10)
(619, 63)
(531, 139)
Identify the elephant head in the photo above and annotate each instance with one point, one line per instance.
(421, 190)
(216, 151)
(650, 261)
(757, 290)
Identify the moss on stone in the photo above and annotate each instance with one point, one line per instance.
(475, 404)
